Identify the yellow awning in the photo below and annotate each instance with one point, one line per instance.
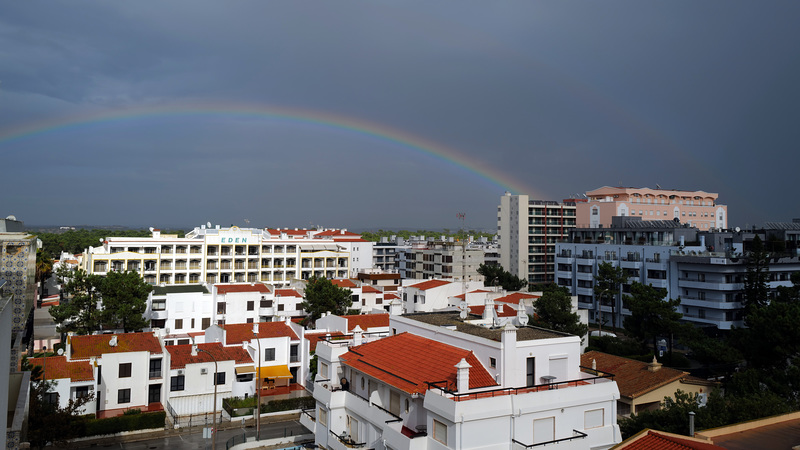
(245, 369)
(275, 372)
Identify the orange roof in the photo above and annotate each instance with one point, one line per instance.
(366, 321)
(181, 355)
(287, 293)
(515, 297)
(506, 312)
(659, 440)
(57, 367)
(229, 288)
(430, 284)
(287, 231)
(236, 333)
(335, 233)
(370, 289)
(632, 377)
(350, 240)
(390, 296)
(97, 344)
(344, 283)
(406, 361)
(314, 338)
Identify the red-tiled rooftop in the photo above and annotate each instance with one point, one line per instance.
(236, 333)
(506, 311)
(390, 296)
(291, 232)
(181, 355)
(633, 377)
(515, 297)
(370, 290)
(84, 347)
(344, 283)
(659, 440)
(366, 321)
(287, 293)
(406, 361)
(313, 339)
(335, 233)
(57, 367)
(229, 288)
(430, 284)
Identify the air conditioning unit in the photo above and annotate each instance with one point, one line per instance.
(180, 372)
(203, 371)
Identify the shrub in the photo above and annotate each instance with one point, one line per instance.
(288, 404)
(125, 422)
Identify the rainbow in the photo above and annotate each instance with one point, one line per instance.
(303, 117)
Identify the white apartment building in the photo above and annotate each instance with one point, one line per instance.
(528, 231)
(226, 255)
(433, 295)
(439, 382)
(70, 380)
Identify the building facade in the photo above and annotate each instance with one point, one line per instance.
(697, 208)
(528, 231)
(224, 255)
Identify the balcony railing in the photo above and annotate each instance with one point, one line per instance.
(575, 435)
(155, 373)
(348, 442)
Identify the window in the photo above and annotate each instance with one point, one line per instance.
(266, 303)
(251, 305)
(220, 378)
(81, 391)
(50, 398)
(323, 370)
(593, 419)
(206, 323)
(177, 383)
(440, 431)
(159, 305)
(280, 307)
(178, 324)
(125, 370)
(322, 417)
(221, 308)
(124, 396)
(492, 363)
(155, 368)
(531, 372)
(269, 354)
(294, 353)
(408, 405)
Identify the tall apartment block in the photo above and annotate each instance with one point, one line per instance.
(528, 231)
(699, 209)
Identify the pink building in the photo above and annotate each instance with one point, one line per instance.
(697, 208)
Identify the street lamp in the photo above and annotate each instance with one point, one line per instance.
(258, 387)
(214, 429)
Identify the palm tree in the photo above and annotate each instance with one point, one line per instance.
(44, 268)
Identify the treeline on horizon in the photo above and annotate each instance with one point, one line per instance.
(376, 236)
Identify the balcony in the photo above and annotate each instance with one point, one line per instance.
(308, 419)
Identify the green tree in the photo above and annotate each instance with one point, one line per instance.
(651, 315)
(124, 299)
(44, 268)
(496, 276)
(322, 296)
(608, 282)
(554, 311)
(78, 311)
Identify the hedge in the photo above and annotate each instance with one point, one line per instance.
(288, 404)
(125, 422)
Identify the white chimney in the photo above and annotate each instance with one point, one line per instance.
(462, 376)
(255, 328)
(113, 341)
(194, 350)
(358, 335)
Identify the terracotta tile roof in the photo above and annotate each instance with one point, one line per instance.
(344, 283)
(350, 240)
(366, 321)
(479, 291)
(314, 338)
(390, 296)
(236, 333)
(659, 440)
(181, 355)
(97, 344)
(287, 293)
(430, 284)
(632, 377)
(58, 367)
(337, 233)
(370, 289)
(291, 232)
(505, 312)
(229, 288)
(406, 361)
(515, 297)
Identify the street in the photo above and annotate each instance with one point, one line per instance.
(193, 439)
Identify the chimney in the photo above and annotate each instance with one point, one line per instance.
(194, 350)
(703, 241)
(462, 376)
(113, 341)
(691, 423)
(594, 364)
(358, 335)
(255, 328)
(654, 366)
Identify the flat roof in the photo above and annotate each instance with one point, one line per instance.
(162, 290)
(450, 319)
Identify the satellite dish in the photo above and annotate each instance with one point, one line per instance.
(523, 319)
(464, 309)
(151, 229)
(208, 224)
(60, 351)
(737, 229)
